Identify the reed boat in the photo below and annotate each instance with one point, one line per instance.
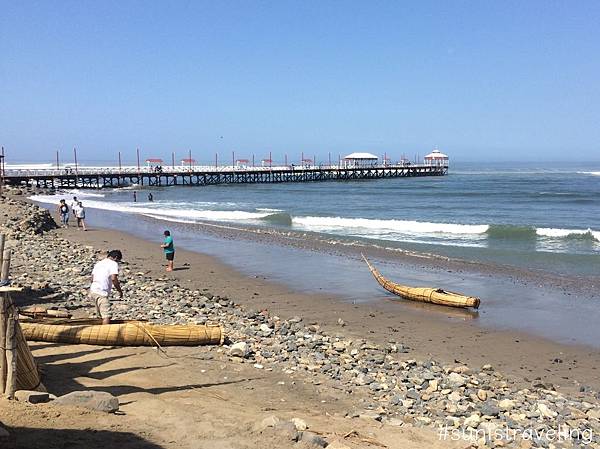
(424, 294)
(119, 333)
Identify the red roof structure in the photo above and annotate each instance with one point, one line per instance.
(154, 161)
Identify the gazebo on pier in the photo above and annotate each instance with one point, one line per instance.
(188, 162)
(359, 160)
(153, 162)
(436, 159)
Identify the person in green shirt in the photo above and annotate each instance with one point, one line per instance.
(169, 249)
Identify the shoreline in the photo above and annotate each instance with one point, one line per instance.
(450, 337)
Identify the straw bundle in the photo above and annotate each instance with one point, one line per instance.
(126, 333)
(28, 377)
(424, 294)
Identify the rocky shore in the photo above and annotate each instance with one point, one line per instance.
(475, 403)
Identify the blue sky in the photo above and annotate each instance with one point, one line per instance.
(479, 79)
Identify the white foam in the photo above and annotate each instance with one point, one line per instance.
(161, 210)
(83, 194)
(593, 173)
(386, 226)
(561, 233)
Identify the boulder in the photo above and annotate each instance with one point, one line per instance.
(95, 400)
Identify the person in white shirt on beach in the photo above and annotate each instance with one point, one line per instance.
(80, 215)
(105, 275)
(73, 205)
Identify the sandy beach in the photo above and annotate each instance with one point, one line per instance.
(358, 376)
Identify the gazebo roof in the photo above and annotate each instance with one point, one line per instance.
(361, 156)
(154, 160)
(436, 154)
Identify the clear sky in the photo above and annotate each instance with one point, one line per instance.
(500, 79)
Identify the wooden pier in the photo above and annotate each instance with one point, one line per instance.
(205, 176)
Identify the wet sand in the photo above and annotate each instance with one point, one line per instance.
(449, 335)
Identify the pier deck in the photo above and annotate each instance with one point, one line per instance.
(204, 176)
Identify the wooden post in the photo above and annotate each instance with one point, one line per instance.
(11, 348)
(2, 171)
(2, 239)
(5, 265)
(3, 367)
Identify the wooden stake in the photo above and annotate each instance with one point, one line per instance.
(2, 239)
(3, 301)
(11, 349)
(5, 265)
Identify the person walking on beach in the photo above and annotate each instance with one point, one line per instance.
(74, 210)
(105, 275)
(80, 215)
(150, 197)
(134, 196)
(63, 211)
(73, 205)
(169, 250)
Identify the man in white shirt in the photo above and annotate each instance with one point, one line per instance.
(74, 205)
(105, 275)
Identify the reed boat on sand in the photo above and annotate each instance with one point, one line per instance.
(424, 294)
(119, 333)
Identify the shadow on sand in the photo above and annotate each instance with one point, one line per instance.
(36, 438)
(61, 376)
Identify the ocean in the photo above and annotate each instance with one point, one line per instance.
(534, 216)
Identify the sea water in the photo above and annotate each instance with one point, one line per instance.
(535, 216)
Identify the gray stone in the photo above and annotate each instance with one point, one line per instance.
(287, 429)
(33, 397)
(313, 439)
(239, 349)
(489, 409)
(95, 400)
(456, 380)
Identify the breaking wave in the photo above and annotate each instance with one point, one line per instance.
(399, 226)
